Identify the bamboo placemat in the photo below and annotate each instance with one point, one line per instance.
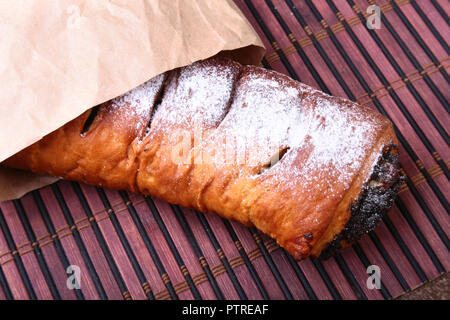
(133, 247)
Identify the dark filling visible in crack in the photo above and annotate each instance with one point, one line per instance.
(158, 100)
(90, 120)
(376, 198)
(274, 159)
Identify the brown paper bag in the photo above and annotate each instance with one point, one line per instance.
(59, 58)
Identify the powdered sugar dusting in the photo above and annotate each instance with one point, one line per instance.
(199, 98)
(263, 118)
(271, 114)
(326, 138)
(136, 105)
(340, 137)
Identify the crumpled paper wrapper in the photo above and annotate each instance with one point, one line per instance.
(60, 58)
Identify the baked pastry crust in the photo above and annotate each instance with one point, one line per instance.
(312, 171)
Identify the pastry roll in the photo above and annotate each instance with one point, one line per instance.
(312, 171)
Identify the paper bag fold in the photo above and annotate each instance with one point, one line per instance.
(59, 58)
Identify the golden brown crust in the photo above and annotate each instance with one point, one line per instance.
(243, 142)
